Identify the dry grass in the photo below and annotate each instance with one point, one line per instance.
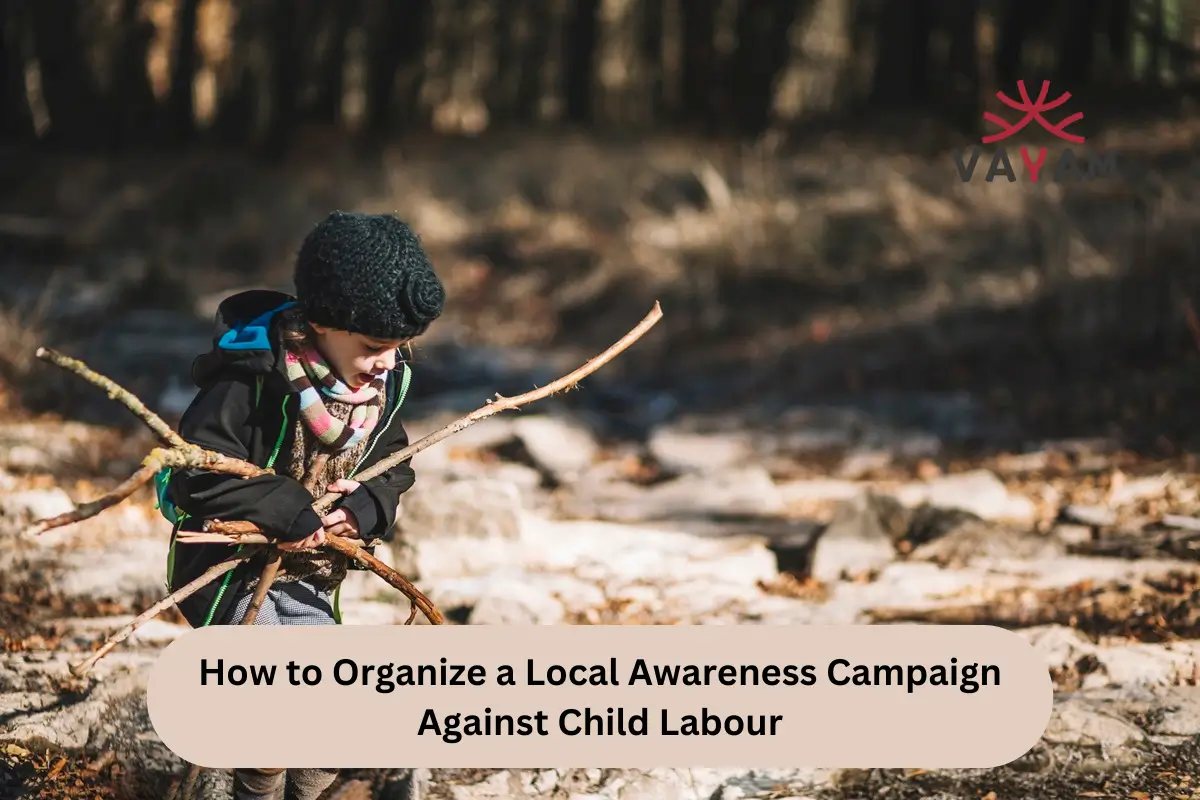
(22, 331)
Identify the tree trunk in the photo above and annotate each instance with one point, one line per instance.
(180, 102)
(67, 88)
(1015, 28)
(762, 51)
(582, 36)
(902, 64)
(331, 72)
(285, 68)
(699, 59)
(398, 39)
(813, 80)
(964, 95)
(1076, 62)
(15, 120)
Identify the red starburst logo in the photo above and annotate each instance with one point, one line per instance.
(1033, 111)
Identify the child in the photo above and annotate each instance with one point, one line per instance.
(309, 386)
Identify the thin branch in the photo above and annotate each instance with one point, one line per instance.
(186, 457)
(502, 403)
(84, 667)
(350, 548)
(492, 407)
(260, 591)
(182, 454)
(271, 569)
(247, 533)
(94, 507)
(114, 392)
(189, 782)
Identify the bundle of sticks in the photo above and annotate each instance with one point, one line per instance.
(179, 454)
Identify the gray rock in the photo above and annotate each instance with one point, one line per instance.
(596, 784)
(979, 492)
(855, 542)
(457, 527)
(73, 725)
(36, 504)
(23, 457)
(483, 435)
(121, 571)
(975, 540)
(516, 602)
(800, 491)
(862, 462)
(605, 572)
(406, 784)
(498, 784)
(1140, 489)
(1095, 516)
(1079, 720)
(1072, 535)
(474, 508)
(747, 490)
(681, 450)
(1114, 664)
(562, 446)
(1182, 716)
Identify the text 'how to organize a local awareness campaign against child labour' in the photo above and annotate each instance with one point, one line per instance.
(750, 696)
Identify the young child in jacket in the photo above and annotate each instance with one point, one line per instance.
(309, 385)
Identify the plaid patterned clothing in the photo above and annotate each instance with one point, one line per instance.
(288, 603)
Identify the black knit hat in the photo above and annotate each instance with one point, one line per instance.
(368, 274)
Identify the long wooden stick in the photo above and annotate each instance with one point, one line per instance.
(186, 457)
(355, 551)
(180, 453)
(271, 569)
(493, 406)
(265, 579)
(115, 392)
(82, 668)
(248, 533)
(501, 403)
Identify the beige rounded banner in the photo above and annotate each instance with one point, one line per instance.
(750, 696)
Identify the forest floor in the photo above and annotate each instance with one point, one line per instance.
(986, 388)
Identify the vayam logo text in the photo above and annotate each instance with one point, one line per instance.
(1065, 164)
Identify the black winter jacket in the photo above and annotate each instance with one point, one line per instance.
(247, 360)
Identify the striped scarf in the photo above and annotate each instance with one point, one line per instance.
(309, 374)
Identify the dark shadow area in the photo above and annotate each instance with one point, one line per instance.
(779, 175)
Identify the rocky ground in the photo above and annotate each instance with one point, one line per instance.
(546, 517)
(855, 409)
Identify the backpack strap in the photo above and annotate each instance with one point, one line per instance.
(177, 516)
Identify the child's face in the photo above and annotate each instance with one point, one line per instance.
(357, 359)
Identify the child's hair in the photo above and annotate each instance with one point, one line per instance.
(294, 328)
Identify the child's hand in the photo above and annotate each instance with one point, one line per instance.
(341, 522)
(314, 541)
(343, 486)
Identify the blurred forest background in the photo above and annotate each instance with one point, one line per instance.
(778, 172)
